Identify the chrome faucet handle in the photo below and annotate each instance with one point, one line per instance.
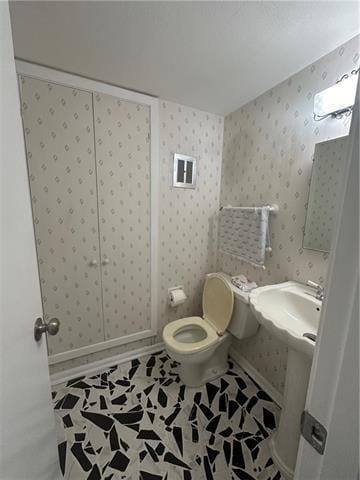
(319, 289)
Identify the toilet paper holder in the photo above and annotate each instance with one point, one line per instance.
(176, 295)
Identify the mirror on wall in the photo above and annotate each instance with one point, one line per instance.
(326, 180)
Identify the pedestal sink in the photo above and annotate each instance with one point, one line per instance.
(291, 312)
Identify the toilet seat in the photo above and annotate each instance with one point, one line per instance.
(172, 328)
(218, 303)
(201, 345)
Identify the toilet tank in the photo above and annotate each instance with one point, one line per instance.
(243, 323)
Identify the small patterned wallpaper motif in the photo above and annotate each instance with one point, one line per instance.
(267, 158)
(326, 180)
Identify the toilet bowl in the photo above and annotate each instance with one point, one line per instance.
(200, 351)
(201, 344)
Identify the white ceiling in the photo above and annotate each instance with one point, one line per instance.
(215, 56)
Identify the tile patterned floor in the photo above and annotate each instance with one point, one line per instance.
(137, 421)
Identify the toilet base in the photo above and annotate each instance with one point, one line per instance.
(195, 374)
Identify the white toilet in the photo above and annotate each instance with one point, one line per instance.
(201, 345)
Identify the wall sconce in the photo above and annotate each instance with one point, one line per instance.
(337, 100)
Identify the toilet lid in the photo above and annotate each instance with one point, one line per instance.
(218, 302)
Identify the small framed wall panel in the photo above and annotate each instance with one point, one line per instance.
(184, 171)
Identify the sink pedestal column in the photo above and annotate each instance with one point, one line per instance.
(284, 443)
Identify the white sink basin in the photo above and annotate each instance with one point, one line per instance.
(290, 311)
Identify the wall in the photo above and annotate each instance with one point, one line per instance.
(187, 233)
(267, 158)
(187, 237)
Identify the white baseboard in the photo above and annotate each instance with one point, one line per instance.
(98, 366)
(98, 347)
(258, 378)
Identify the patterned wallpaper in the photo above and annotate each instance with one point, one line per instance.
(326, 181)
(267, 158)
(187, 217)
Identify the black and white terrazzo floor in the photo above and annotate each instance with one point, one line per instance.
(137, 421)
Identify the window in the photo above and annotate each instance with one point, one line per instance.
(184, 171)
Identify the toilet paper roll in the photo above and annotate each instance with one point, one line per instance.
(177, 297)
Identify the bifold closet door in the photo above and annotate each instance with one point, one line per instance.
(59, 136)
(122, 132)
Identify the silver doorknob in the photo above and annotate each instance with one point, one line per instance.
(52, 327)
(105, 261)
(93, 263)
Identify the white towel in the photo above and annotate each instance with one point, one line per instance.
(244, 233)
(241, 282)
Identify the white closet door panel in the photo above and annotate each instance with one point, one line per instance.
(122, 132)
(59, 135)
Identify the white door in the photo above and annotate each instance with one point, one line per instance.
(122, 133)
(333, 394)
(27, 426)
(59, 141)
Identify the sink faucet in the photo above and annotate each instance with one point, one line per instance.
(319, 290)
